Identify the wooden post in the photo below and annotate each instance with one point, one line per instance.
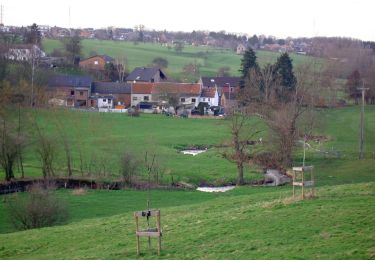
(303, 183)
(159, 230)
(294, 179)
(137, 229)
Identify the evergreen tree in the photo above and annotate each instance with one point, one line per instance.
(73, 48)
(284, 70)
(248, 62)
(33, 36)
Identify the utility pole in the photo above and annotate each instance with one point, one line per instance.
(362, 134)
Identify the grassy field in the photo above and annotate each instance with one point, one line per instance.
(248, 222)
(210, 59)
(245, 223)
(102, 139)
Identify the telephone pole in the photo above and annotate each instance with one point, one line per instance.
(362, 134)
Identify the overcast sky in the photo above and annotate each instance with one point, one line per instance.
(281, 18)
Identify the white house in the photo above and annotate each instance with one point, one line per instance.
(210, 96)
(105, 101)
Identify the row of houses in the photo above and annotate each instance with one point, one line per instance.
(142, 86)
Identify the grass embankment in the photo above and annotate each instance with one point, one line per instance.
(244, 223)
(209, 58)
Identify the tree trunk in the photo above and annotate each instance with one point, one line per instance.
(240, 180)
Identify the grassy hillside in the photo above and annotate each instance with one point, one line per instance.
(101, 138)
(210, 59)
(241, 224)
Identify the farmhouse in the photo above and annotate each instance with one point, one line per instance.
(97, 62)
(141, 92)
(223, 85)
(120, 93)
(210, 96)
(142, 74)
(74, 91)
(187, 94)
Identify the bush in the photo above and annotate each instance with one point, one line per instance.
(129, 167)
(133, 112)
(38, 208)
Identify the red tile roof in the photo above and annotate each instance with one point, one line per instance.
(208, 92)
(142, 88)
(177, 88)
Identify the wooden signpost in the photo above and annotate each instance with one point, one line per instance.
(148, 232)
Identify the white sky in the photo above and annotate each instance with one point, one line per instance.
(281, 18)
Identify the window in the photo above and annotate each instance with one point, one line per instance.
(193, 100)
(146, 98)
(182, 99)
(104, 100)
(72, 92)
(208, 99)
(81, 93)
(135, 98)
(109, 101)
(96, 62)
(204, 99)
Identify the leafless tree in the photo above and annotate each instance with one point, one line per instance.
(129, 167)
(46, 150)
(121, 64)
(243, 128)
(40, 208)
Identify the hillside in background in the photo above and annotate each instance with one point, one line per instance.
(209, 58)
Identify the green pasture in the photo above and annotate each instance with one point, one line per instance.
(209, 58)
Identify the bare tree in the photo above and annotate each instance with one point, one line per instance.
(129, 167)
(121, 64)
(46, 150)
(243, 128)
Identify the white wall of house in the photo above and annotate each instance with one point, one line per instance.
(212, 101)
(136, 98)
(189, 100)
(105, 102)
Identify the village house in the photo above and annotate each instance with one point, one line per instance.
(142, 74)
(97, 62)
(24, 52)
(187, 94)
(240, 49)
(141, 92)
(118, 92)
(70, 90)
(209, 96)
(223, 85)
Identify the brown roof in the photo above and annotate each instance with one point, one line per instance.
(177, 88)
(209, 92)
(142, 88)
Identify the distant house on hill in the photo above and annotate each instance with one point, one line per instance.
(24, 52)
(240, 49)
(97, 62)
(119, 92)
(73, 90)
(142, 74)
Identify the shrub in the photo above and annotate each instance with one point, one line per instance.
(129, 167)
(38, 208)
(133, 112)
